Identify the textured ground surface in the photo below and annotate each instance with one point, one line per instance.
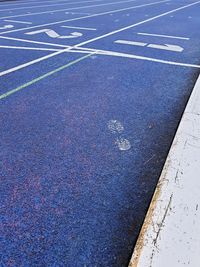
(87, 115)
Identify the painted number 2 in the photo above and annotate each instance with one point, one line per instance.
(53, 34)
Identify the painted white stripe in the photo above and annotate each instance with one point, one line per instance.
(82, 51)
(33, 42)
(28, 48)
(7, 27)
(79, 13)
(168, 47)
(102, 52)
(62, 4)
(162, 35)
(139, 23)
(130, 43)
(17, 21)
(132, 56)
(97, 38)
(85, 17)
(170, 235)
(88, 51)
(32, 2)
(79, 28)
(65, 9)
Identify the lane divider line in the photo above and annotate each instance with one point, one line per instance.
(19, 88)
(85, 17)
(66, 9)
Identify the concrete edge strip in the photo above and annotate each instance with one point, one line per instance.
(170, 235)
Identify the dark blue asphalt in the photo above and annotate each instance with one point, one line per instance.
(69, 195)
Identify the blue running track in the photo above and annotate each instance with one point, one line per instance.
(91, 95)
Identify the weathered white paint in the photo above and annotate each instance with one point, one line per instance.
(84, 17)
(6, 27)
(113, 53)
(126, 42)
(163, 35)
(170, 235)
(53, 34)
(61, 4)
(17, 21)
(65, 9)
(168, 47)
(79, 28)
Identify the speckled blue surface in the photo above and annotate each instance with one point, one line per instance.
(69, 196)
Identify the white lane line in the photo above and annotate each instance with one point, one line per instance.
(62, 4)
(33, 42)
(130, 43)
(162, 35)
(97, 38)
(85, 17)
(139, 23)
(28, 48)
(83, 50)
(78, 13)
(65, 9)
(79, 28)
(17, 21)
(132, 56)
(170, 235)
(32, 2)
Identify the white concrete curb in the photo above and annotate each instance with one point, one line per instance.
(170, 235)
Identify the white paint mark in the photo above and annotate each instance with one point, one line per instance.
(114, 53)
(7, 27)
(30, 1)
(162, 35)
(123, 144)
(84, 17)
(17, 21)
(130, 43)
(115, 126)
(168, 47)
(28, 48)
(53, 34)
(65, 9)
(156, 60)
(80, 28)
(57, 4)
(33, 42)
